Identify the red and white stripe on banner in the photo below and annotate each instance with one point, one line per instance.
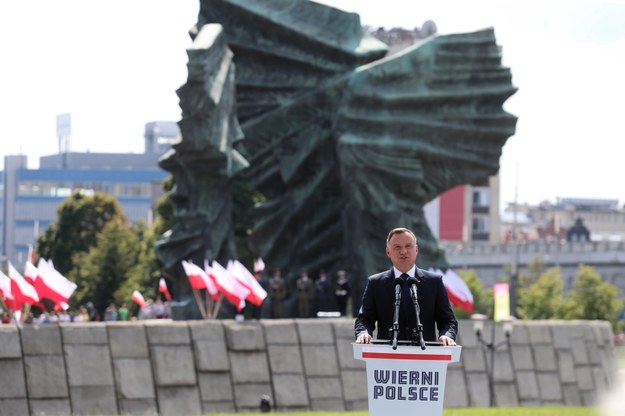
(406, 356)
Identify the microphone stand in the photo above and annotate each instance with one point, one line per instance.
(412, 281)
(399, 282)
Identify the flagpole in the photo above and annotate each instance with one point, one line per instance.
(200, 305)
(208, 305)
(25, 313)
(218, 305)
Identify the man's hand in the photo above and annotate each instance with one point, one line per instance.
(363, 338)
(447, 341)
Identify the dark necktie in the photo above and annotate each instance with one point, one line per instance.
(405, 292)
(406, 312)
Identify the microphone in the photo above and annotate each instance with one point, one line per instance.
(413, 282)
(399, 283)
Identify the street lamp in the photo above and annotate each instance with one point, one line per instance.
(478, 327)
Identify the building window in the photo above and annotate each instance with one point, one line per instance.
(480, 198)
(480, 224)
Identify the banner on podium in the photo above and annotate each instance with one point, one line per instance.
(406, 380)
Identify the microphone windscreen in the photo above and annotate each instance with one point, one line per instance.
(413, 280)
(399, 281)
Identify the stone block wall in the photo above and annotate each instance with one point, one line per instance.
(200, 367)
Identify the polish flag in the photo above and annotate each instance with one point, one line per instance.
(138, 298)
(241, 274)
(5, 288)
(458, 291)
(22, 291)
(199, 279)
(49, 283)
(162, 287)
(232, 290)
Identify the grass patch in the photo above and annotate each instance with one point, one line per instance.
(493, 411)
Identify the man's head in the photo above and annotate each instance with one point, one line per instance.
(402, 248)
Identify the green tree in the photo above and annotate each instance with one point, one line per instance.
(100, 271)
(482, 298)
(145, 274)
(541, 299)
(592, 298)
(80, 219)
(534, 271)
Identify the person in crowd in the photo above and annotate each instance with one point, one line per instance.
(44, 318)
(323, 293)
(277, 294)
(341, 291)
(304, 295)
(82, 315)
(158, 309)
(64, 317)
(91, 310)
(122, 312)
(378, 300)
(146, 312)
(110, 313)
(6, 318)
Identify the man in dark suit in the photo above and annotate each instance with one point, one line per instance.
(378, 300)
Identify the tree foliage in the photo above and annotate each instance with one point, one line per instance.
(100, 271)
(80, 220)
(482, 298)
(541, 299)
(146, 272)
(592, 298)
(534, 271)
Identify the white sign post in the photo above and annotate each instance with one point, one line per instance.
(406, 380)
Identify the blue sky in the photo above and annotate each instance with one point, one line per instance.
(115, 65)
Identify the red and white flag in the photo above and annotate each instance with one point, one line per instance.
(22, 291)
(459, 294)
(199, 279)
(240, 273)
(5, 288)
(234, 292)
(49, 283)
(162, 287)
(138, 298)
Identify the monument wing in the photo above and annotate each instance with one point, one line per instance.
(416, 124)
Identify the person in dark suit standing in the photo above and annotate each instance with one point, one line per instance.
(378, 300)
(341, 292)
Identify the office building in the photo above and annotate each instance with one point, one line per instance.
(466, 213)
(30, 197)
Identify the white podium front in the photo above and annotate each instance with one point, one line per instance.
(408, 380)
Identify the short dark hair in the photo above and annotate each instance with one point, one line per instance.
(400, 231)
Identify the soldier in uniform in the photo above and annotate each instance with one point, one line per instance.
(304, 295)
(341, 291)
(277, 293)
(323, 292)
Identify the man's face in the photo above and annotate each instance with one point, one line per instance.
(402, 250)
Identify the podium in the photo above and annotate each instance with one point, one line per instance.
(406, 380)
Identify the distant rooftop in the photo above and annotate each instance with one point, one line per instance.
(587, 203)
